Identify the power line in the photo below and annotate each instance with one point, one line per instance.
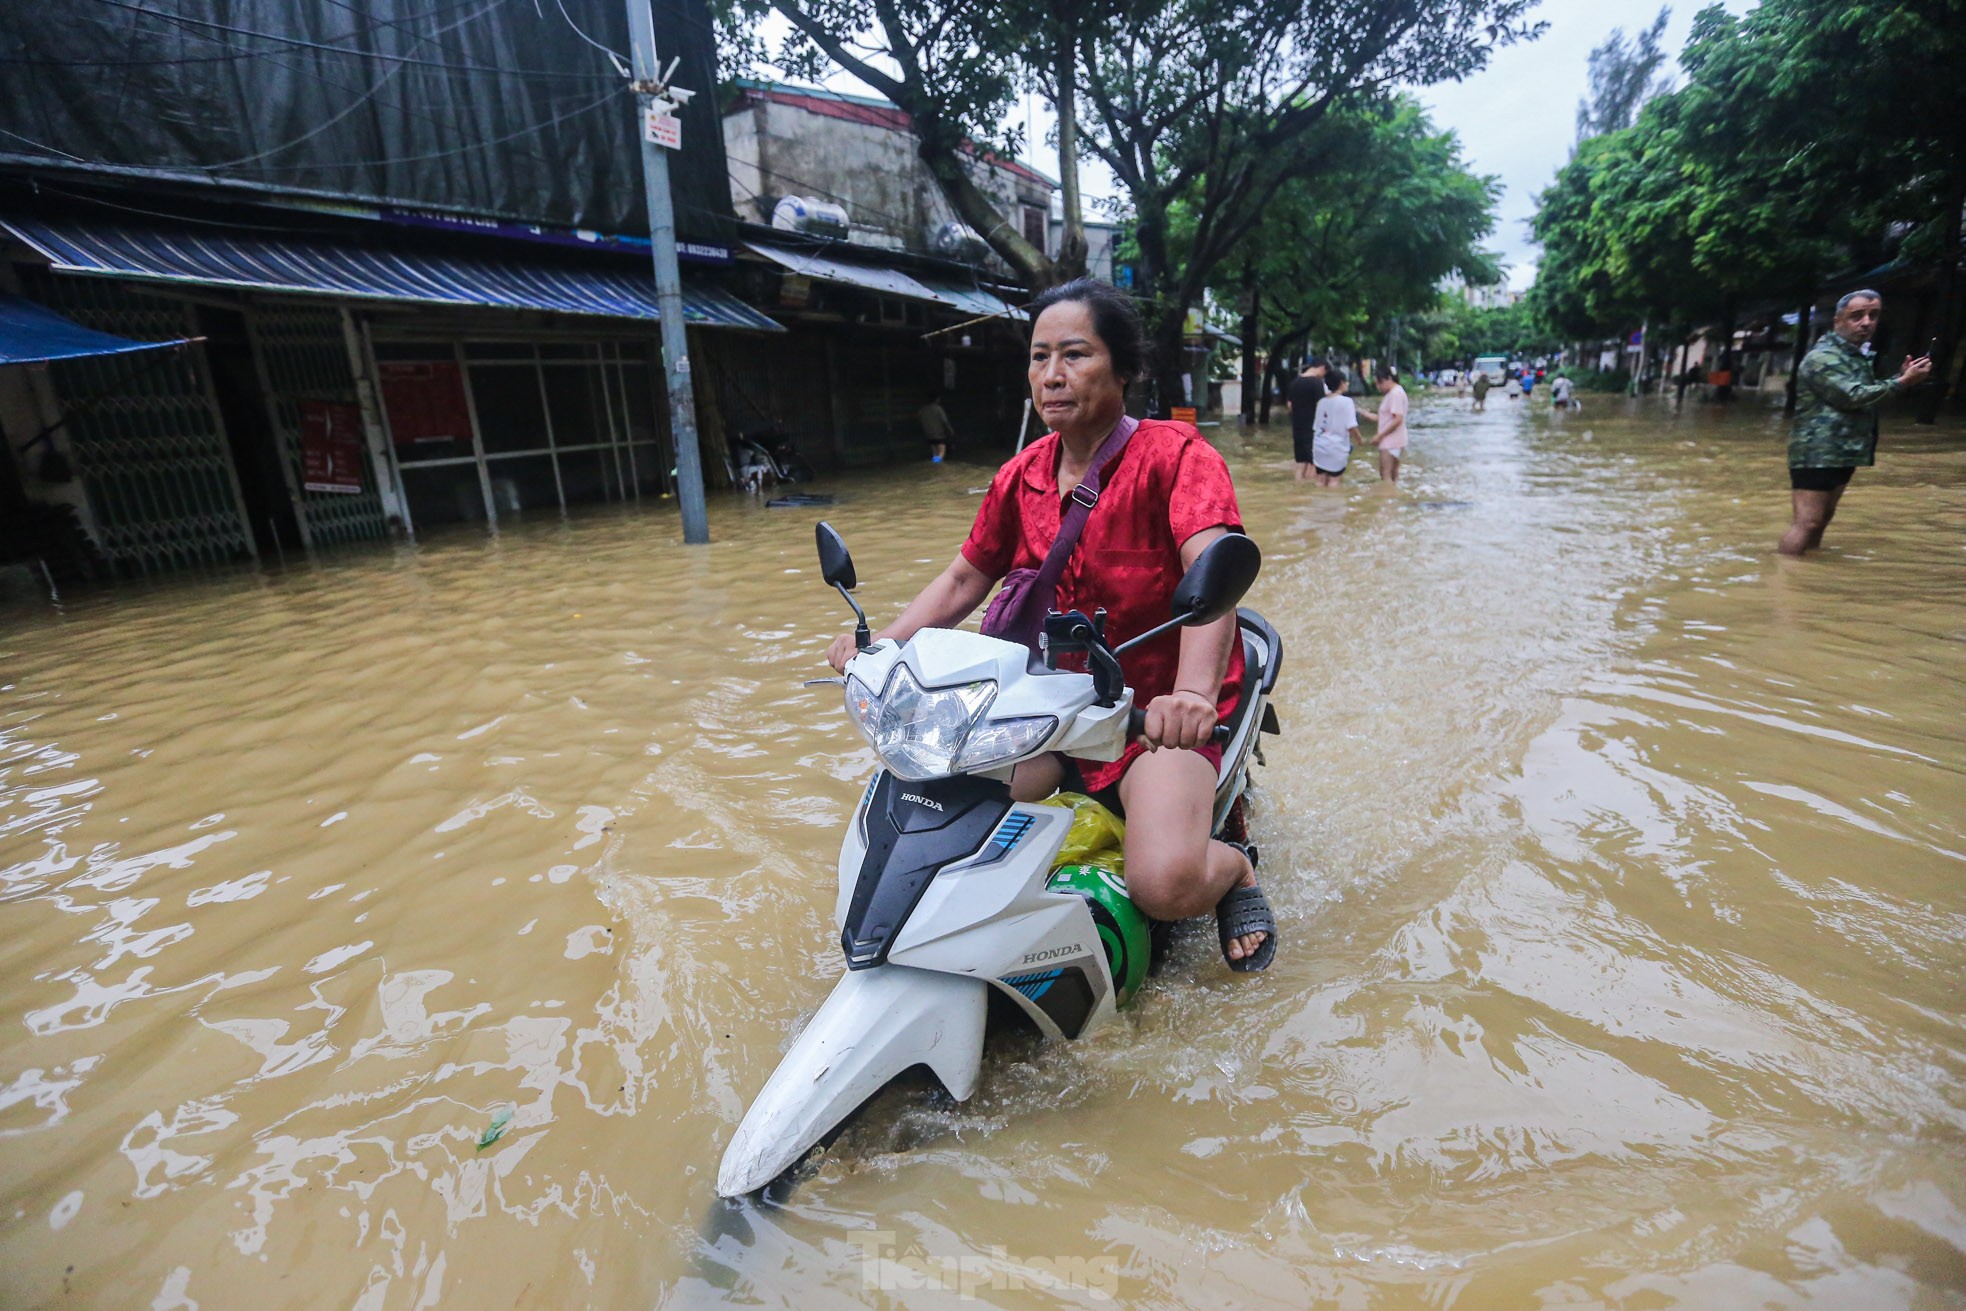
(620, 64)
(232, 53)
(555, 121)
(425, 114)
(186, 21)
(40, 145)
(361, 99)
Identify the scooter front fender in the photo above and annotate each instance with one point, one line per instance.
(875, 1024)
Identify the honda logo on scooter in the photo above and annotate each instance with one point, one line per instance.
(921, 801)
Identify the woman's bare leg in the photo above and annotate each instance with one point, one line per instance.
(1174, 871)
(1034, 780)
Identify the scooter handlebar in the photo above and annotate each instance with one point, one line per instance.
(1136, 724)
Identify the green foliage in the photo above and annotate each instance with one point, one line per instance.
(1623, 76)
(1599, 380)
(953, 66)
(1378, 206)
(1508, 330)
(1805, 132)
(1205, 110)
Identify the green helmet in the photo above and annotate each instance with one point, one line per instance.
(1123, 929)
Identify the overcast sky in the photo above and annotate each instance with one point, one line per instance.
(1516, 118)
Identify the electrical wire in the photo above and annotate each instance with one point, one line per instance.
(620, 63)
(229, 224)
(361, 98)
(39, 145)
(555, 121)
(232, 53)
(422, 114)
(299, 42)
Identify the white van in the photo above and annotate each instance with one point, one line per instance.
(1495, 366)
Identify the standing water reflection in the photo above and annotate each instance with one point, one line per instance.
(1618, 860)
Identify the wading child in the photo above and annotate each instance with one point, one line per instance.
(1336, 431)
(1391, 418)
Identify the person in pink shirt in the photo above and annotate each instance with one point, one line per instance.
(1391, 418)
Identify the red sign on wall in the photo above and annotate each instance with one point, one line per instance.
(425, 402)
(330, 446)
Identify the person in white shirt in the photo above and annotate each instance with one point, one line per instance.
(1335, 432)
(1391, 418)
(1560, 392)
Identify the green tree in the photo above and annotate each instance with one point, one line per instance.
(1623, 76)
(1781, 159)
(1848, 117)
(1378, 207)
(1198, 107)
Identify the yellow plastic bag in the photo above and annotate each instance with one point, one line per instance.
(1096, 834)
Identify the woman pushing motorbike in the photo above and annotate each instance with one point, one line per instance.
(1162, 496)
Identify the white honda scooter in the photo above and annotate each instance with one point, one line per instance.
(945, 889)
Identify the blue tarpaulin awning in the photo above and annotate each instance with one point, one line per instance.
(294, 263)
(31, 333)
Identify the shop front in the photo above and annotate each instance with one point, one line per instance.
(340, 389)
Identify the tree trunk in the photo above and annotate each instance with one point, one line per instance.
(1937, 388)
(1071, 246)
(1268, 382)
(1679, 375)
(976, 209)
(1805, 320)
(938, 143)
(1170, 366)
(1250, 311)
(1166, 321)
(1725, 391)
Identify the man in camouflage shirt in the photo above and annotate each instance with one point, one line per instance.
(1837, 394)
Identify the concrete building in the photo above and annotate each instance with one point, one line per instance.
(848, 242)
(1480, 297)
(1100, 239)
(859, 154)
(383, 323)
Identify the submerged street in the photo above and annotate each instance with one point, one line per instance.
(413, 929)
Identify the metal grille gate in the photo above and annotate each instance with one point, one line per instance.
(303, 355)
(146, 439)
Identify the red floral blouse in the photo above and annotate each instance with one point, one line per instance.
(1166, 486)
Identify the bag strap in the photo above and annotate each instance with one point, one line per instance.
(1084, 497)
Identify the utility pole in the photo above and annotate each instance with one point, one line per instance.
(651, 85)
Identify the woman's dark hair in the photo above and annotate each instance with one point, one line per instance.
(1386, 371)
(1114, 317)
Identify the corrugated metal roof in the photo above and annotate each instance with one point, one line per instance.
(887, 281)
(316, 266)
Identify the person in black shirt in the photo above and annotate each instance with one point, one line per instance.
(1306, 390)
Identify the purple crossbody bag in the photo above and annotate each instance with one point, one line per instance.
(1017, 612)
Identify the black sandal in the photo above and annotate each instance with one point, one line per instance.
(1244, 910)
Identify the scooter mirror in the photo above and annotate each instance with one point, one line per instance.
(835, 565)
(1217, 580)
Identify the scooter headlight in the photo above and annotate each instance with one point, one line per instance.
(917, 731)
(997, 740)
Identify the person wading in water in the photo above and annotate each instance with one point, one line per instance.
(1306, 390)
(1835, 431)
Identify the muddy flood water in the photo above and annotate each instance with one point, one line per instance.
(1621, 868)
